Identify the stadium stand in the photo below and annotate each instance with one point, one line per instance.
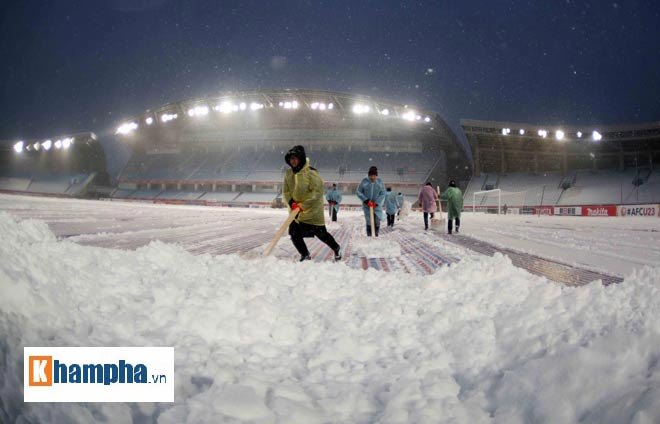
(72, 166)
(234, 151)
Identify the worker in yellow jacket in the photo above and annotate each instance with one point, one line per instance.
(303, 190)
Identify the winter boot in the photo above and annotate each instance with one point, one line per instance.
(305, 258)
(337, 254)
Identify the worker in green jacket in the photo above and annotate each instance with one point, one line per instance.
(454, 197)
(303, 190)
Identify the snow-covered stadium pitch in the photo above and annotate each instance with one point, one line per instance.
(487, 326)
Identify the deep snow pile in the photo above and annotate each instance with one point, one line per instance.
(266, 340)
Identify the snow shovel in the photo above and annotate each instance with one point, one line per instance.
(373, 224)
(438, 219)
(330, 206)
(278, 235)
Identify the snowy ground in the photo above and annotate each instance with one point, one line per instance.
(272, 340)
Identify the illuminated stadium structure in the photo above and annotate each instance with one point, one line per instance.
(72, 165)
(230, 148)
(551, 166)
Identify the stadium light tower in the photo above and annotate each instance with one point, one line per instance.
(18, 147)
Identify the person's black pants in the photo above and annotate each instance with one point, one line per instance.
(334, 214)
(449, 226)
(376, 226)
(426, 219)
(300, 230)
(390, 220)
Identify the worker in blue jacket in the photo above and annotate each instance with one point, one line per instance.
(372, 193)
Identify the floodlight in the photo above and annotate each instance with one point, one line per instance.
(294, 104)
(166, 117)
(36, 146)
(322, 106)
(596, 136)
(191, 112)
(18, 147)
(543, 133)
(127, 128)
(360, 109)
(417, 117)
(579, 134)
(427, 119)
(409, 116)
(58, 144)
(315, 105)
(256, 106)
(66, 143)
(559, 135)
(506, 131)
(47, 144)
(224, 107)
(149, 120)
(331, 106)
(243, 106)
(521, 132)
(385, 112)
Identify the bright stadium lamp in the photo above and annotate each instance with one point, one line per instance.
(543, 133)
(579, 134)
(127, 128)
(359, 109)
(596, 136)
(314, 105)
(322, 106)
(191, 112)
(18, 147)
(224, 107)
(256, 106)
(506, 131)
(66, 143)
(331, 106)
(47, 144)
(36, 146)
(521, 132)
(385, 112)
(427, 119)
(242, 106)
(559, 135)
(167, 117)
(409, 116)
(149, 120)
(58, 144)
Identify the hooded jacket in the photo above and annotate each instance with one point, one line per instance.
(304, 185)
(454, 197)
(428, 199)
(334, 195)
(391, 204)
(374, 191)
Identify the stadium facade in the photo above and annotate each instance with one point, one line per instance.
(230, 148)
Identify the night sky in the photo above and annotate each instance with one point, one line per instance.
(70, 66)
